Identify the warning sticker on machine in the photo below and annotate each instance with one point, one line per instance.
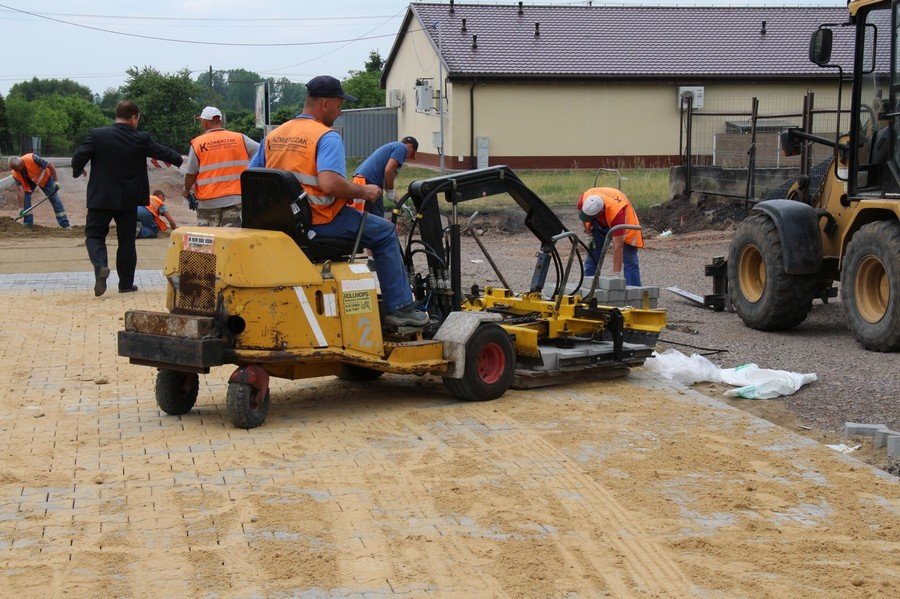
(196, 242)
(357, 302)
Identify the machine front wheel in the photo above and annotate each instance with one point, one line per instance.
(870, 286)
(247, 406)
(489, 365)
(764, 296)
(176, 392)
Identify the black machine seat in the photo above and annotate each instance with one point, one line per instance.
(274, 200)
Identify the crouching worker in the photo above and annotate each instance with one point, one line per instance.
(150, 217)
(602, 208)
(319, 163)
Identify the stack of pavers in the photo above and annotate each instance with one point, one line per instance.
(612, 291)
(881, 435)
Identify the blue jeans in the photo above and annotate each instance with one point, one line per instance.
(380, 236)
(629, 258)
(58, 208)
(148, 228)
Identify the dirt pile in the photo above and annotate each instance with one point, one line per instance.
(687, 215)
(9, 227)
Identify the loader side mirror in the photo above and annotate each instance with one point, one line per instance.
(820, 46)
(791, 145)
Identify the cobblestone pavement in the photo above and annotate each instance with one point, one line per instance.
(624, 488)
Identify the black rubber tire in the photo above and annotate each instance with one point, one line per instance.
(176, 392)
(489, 368)
(240, 408)
(358, 374)
(775, 301)
(876, 245)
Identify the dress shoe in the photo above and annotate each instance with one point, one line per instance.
(100, 281)
(128, 289)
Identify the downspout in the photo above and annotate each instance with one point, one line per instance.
(472, 160)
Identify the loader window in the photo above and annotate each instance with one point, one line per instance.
(894, 107)
(873, 133)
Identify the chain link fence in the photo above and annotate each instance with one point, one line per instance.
(735, 150)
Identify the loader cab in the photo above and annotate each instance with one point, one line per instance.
(871, 129)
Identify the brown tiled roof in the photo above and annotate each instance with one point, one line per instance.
(630, 42)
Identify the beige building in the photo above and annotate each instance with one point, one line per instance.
(593, 86)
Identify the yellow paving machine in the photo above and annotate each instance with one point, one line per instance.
(278, 301)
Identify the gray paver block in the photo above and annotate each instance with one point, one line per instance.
(856, 429)
(634, 294)
(613, 283)
(893, 446)
(881, 437)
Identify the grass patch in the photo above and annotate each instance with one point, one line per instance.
(560, 189)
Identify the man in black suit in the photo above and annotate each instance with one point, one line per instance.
(118, 185)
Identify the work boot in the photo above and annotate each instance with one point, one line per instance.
(100, 281)
(407, 316)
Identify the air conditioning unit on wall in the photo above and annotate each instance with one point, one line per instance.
(395, 98)
(424, 96)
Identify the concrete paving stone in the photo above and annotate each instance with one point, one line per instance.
(881, 436)
(613, 283)
(893, 446)
(855, 429)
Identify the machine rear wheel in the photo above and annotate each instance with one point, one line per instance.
(358, 374)
(176, 392)
(870, 286)
(246, 406)
(764, 296)
(489, 368)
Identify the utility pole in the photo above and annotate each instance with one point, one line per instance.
(210, 85)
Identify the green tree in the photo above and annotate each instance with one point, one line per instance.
(167, 103)
(241, 90)
(366, 84)
(5, 137)
(285, 92)
(285, 113)
(18, 116)
(244, 122)
(37, 88)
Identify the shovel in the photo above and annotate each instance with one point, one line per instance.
(24, 213)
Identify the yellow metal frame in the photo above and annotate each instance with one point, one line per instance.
(550, 323)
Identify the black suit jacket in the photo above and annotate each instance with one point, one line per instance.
(118, 156)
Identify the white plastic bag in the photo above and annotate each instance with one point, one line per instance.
(762, 383)
(674, 365)
(754, 382)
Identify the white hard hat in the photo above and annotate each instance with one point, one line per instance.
(591, 207)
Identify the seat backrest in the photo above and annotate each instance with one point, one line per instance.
(274, 200)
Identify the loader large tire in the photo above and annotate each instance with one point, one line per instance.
(764, 296)
(870, 286)
(176, 392)
(489, 368)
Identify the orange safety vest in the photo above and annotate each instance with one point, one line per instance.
(614, 201)
(153, 207)
(34, 171)
(292, 147)
(359, 204)
(223, 157)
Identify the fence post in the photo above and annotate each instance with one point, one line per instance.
(804, 149)
(751, 170)
(807, 166)
(689, 100)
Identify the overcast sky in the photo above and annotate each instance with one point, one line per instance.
(339, 35)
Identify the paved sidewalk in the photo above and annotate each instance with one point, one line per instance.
(625, 488)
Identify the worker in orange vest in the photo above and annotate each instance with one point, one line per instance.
(150, 217)
(314, 153)
(214, 165)
(602, 208)
(29, 172)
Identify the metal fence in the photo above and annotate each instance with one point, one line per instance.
(735, 151)
(366, 129)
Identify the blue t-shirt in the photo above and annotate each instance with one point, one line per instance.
(373, 167)
(330, 155)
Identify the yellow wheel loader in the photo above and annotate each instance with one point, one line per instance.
(788, 252)
(276, 300)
